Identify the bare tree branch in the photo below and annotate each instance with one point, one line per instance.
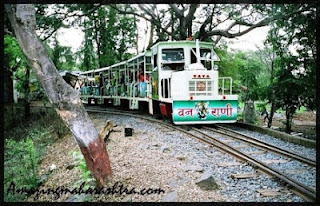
(192, 10)
(177, 11)
(225, 33)
(130, 12)
(153, 19)
(67, 15)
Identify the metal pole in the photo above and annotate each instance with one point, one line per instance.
(223, 86)
(230, 86)
(198, 51)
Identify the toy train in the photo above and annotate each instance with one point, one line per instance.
(177, 79)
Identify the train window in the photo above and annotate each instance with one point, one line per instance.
(165, 88)
(155, 60)
(148, 60)
(172, 55)
(148, 64)
(122, 77)
(193, 57)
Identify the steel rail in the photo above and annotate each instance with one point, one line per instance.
(307, 192)
(263, 145)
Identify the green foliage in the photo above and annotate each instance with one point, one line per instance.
(85, 174)
(226, 64)
(62, 56)
(51, 17)
(13, 54)
(261, 106)
(22, 160)
(16, 62)
(249, 68)
(108, 36)
(298, 32)
(24, 147)
(295, 80)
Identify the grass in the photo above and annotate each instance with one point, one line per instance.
(260, 104)
(22, 160)
(25, 144)
(85, 174)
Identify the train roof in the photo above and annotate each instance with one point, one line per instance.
(162, 43)
(145, 53)
(190, 43)
(183, 43)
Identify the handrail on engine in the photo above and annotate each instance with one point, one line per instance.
(227, 78)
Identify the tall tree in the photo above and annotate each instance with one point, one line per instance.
(267, 57)
(249, 71)
(108, 36)
(204, 21)
(63, 97)
(295, 47)
(62, 56)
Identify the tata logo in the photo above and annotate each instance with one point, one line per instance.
(201, 76)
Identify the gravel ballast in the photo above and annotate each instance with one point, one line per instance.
(158, 157)
(164, 155)
(298, 149)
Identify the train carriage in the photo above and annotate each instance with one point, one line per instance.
(177, 79)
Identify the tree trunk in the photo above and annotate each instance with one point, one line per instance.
(98, 42)
(271, 114)
(272, 96)
(190, 29)
(26, 98)
(137, 35)
(62, 96)
(151, 37)
(289, 118)
(249, 112)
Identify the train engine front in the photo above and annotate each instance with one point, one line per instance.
(189, 83)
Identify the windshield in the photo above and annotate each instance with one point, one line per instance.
(205, 56)
(172, 55)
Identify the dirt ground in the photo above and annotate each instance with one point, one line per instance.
(304, 123)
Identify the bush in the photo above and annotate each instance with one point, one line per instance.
(20, 166)
(22, 159)
(85, 174)
(261, 106)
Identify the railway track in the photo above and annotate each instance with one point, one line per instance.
(306, 192)
(260, 144)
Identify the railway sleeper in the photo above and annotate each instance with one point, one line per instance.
(241, 146)
(269, 192)
(244, 175)
(256, 152)
(295, 171)
(275, 161)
